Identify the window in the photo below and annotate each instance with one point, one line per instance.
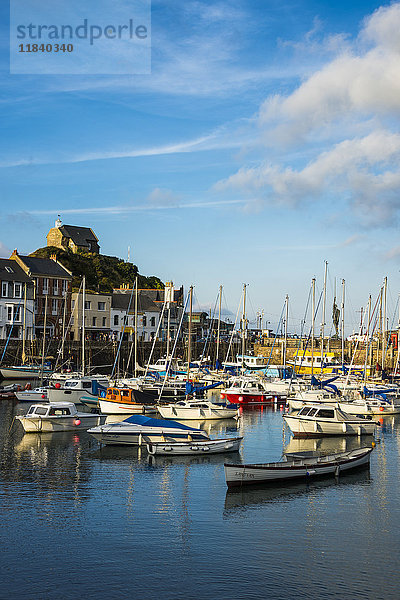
(54, 306)
(72, 303)
(55, 287)
(9, 270)
(104, 321)
(153, 321)
(326, 414)
(64, 286)
(4, 289)
(94, 319)
(17, 290)
(116, 320)
(45, 285)
(144, 321)
(101, 306)
(13, 313)
(72, 320)
(87, 304)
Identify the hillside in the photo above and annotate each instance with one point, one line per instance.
(103, 273)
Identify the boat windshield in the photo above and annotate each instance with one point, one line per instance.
(325, 413)
(71, 384)
(59, 411)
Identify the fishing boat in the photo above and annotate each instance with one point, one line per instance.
(73, 389)
(198, 410)
(120, 401)
(57, 416)
(315, 420)
(198, 447)
(297, 466)
(247, 391)
(29, 395)
(139, 429)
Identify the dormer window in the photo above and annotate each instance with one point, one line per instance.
(9, 270)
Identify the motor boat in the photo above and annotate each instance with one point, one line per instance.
(29, 395)
(315, 420)
(198, 410)
(297, 466)
(73, 389)
(57, 416)
(120, 401)
(140, 429)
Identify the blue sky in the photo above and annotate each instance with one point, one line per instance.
(265, 141)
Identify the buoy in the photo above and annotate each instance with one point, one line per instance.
(57, 386)
(77, 422)
(222, 396)
(43, 396)
(381, 408)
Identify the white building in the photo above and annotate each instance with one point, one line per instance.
(123, 316)
(16, 301)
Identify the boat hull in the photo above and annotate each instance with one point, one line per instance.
(196, 414)
(194, 448)
(305, 428)
(108, 407)
(55, 424)
(249, 398)
(239, 475)
(24, 373)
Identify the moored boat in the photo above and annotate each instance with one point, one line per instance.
(297, 466)
(120, 401)
(139, 429)
(198, 410)
(315, 420)
(25, 372)
(58, 416)
(198, 447)
(29, 395)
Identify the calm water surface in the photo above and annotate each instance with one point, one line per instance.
(111, 523)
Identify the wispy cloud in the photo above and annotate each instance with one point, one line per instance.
(121, 210)
(4, 251)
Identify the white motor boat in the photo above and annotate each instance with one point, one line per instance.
(35, 395)
(139, 429)
(315, 420)
(198, 447)
(198, 410)
(73, 389)
(57, 416)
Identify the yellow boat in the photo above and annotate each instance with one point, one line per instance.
(306, 364)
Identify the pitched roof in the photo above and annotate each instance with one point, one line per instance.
(45, 267)
(81, 236)
(11, 271)
(120, 301)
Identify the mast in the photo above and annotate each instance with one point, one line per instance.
(63, 327)
(136, 324)
(384, 322)
(44, 340)
(244, 325)
(313, 326)
(83, 325)
(190, 331)
(286, 328)
(378, 348)
(342, 325)
(367, 339)
(323, 319)
(398, 344)
(219, 321)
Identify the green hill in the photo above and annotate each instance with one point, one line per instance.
(103, 273)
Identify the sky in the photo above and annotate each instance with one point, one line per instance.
(264, 142)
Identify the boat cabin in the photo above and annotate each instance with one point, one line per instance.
(319, 413)
(125, 395)
(58, 409)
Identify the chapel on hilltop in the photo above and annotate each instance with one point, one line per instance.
(73, 237)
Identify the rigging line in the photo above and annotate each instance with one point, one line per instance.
(123, 331)
(210, 330)
(156, 336)
(303, 323)
(309, 335)
(174, 347)
(234, 327)
(276, 334)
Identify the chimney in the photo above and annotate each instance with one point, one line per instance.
(15, 252)
(53, 257)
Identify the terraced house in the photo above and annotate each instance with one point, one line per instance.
(16, 301)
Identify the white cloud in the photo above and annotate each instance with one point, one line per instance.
(4, 251)
(356, 93)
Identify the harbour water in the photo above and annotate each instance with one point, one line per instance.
(80, 521)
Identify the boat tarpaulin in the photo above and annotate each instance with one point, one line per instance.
(162, 423)
(191, 389)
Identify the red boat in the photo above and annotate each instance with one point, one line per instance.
(246, 391)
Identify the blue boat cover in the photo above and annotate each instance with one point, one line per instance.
(150, 422)
(190, 388)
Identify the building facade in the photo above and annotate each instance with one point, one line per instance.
(16, 302)
(52, 293)
(123, 316)
(97, 316)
